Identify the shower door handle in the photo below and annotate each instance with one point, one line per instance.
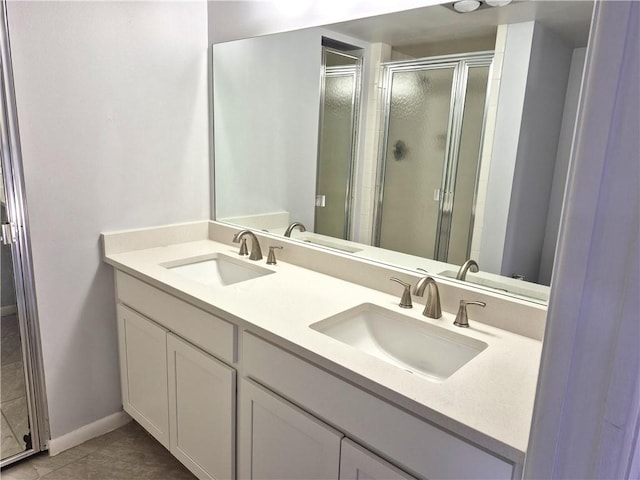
(8, 234)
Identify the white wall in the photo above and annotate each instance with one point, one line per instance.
(585, 420)
(265, 85)
(112, 107)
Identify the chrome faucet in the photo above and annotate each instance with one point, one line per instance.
(432, 306)
(471, 265)
(300, 226)
(256, 252)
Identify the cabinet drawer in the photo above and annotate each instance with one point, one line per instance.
(212, 334)
(414, 444)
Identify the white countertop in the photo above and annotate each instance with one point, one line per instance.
(489, 400)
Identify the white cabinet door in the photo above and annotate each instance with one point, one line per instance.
(358, 463)
(202, 411)
(278, 441)
(143, 372)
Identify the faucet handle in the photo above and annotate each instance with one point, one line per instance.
(405, 301)
(271, 258)
(462, 319)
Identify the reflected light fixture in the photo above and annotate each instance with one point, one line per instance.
(466, 6)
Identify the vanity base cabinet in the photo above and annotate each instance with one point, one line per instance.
(358, 463)
(181, 395)
(280, 441)
(143, 372)
(201, 410)
(422, 448)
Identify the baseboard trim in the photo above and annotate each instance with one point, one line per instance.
(8, 310)
(87, 432)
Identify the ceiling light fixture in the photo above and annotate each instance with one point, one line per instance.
(466, 6)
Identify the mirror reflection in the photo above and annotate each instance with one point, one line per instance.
(421, 139)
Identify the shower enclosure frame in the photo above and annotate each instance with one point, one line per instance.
(355, 119)
(18, 229)
(461, 64)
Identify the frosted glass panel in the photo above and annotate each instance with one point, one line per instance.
(467, 165)
(415, 158)
(335, 153)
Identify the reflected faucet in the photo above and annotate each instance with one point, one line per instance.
(471, 265)
(300, 226)
(256, 252)
(432, 306)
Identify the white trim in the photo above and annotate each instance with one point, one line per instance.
(87, 432)
(590, 365)
(8, 310)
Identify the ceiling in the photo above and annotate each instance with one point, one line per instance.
(569, 19)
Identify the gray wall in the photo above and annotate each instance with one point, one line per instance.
(531, 101)
(537, 150)
(513, 82)
(562, 165)
(112, 105)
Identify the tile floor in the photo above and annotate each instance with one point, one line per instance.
(127, 453)
(13, 398)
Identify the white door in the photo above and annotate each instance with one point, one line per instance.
(202, 410)
(358, 463)
(278, 441)
(143, 372)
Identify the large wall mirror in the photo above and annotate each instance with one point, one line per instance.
(422, 139)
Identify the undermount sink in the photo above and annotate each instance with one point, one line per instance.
(216, 270)
(414, 345)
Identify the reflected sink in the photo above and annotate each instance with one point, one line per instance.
(216, 270)
(517, 287)
(329, 244)
(411, 344)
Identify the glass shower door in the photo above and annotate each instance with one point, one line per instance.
(14, 410)
(430, 161)
(418, 122)
(457, 225)
(338, 119)
(24, 427)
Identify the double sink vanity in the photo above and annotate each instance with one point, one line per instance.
(308, 368)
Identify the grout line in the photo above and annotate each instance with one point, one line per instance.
(13, 434)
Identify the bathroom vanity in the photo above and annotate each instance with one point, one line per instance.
(248, 370)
